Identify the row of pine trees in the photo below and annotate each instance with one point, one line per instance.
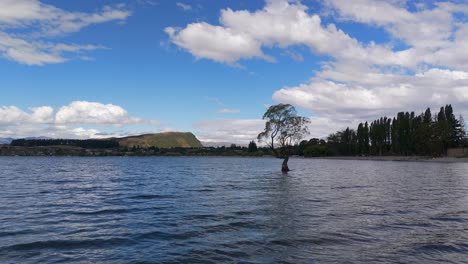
(406, 134)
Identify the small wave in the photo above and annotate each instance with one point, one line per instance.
(373, 213)
(15, 233)
(231, 254)
(201, 217)
(316, 200)
(352, 187)
(152, 196)
(281, 242)
(413, 225)
(308, 241)
(244, 224)
(441, 248)
(61, 182)
(159, 235)
(450, 219)
(101, 212)
(201, 190)
(68, 244)
(243, 213)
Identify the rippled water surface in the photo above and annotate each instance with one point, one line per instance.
(218, 210)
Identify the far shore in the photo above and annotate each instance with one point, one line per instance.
(7, 150)
(398, 158)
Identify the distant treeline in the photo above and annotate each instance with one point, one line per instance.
(232, 150)
(87, 143)
(406, 134)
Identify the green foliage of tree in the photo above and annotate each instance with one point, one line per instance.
(317, 151)
(462, 133)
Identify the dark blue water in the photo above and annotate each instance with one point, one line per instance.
(222, 210)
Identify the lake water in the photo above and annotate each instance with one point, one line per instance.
(222, 210)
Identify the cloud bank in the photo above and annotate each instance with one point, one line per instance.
(69, 121)
(424, 62)
(230, 130)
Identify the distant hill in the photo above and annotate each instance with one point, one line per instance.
(6, 140)
(36, 138)
(221, 144)
(9, 140)
(162, 140)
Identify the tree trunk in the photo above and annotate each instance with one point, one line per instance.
(284, 167)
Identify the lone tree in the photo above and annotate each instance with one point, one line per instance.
(284, 127)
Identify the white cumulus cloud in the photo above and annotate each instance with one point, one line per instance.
(79, 119)
(217, 43)
(83, 112)
(28, 29)
(36, 115)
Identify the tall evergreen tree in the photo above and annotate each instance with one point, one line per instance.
(427, 116)
(360, 138)
(366, 138)
(462, 130)
(252, 146)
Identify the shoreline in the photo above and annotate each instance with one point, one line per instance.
(68, 151)
(369, 158)
(399, 158)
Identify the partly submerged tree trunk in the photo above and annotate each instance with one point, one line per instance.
(284, 167)
(280, 155)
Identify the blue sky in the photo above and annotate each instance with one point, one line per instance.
(99, 68)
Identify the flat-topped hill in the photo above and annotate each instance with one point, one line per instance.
(162, 140)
